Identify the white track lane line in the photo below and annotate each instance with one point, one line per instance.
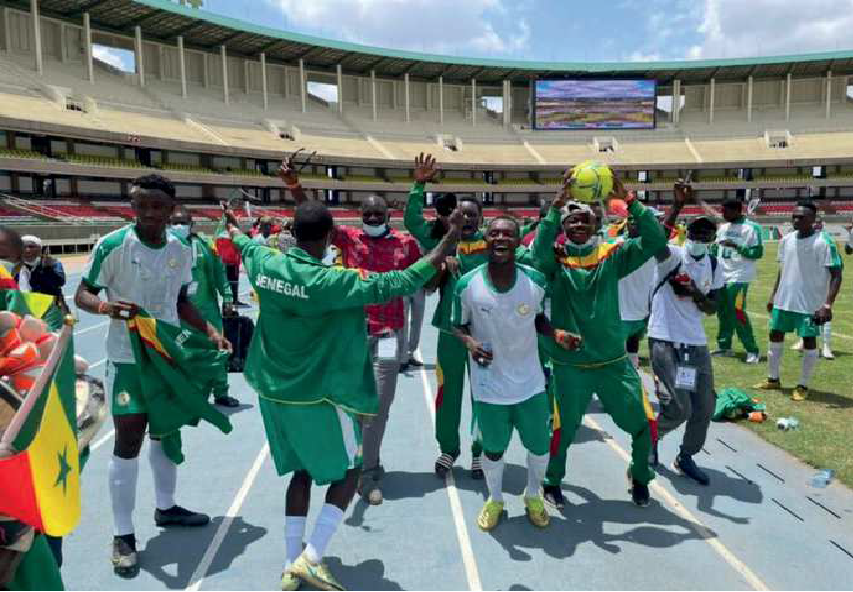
(102, 440)
(705, 533)
(92, 328)
(201, 571)
(472, 573)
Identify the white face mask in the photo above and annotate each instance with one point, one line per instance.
(374, 231)
(34, 262)
(590, 242)
(182, 231)
(697, 250)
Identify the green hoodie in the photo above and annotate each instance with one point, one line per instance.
(584, 286)
(310, 342)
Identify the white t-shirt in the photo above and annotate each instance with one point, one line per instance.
(131, 271)
(505, 322)
(736, 267)
(635, 291)
(678, 319)
(804, 264)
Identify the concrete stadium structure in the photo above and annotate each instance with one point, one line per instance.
(217, 102)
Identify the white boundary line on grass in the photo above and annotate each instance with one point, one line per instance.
(201, 570)
(471, 571)
(701, 529)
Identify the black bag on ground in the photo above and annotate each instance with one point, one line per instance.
(238, 330)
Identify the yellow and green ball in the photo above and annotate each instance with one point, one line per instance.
(590, 181)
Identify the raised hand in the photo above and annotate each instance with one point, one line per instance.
(426, 168)
(683, 193)
(619, 191)
(288, 173)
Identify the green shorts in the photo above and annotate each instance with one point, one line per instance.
(123, 389)
(785, 321)
(531, 418)
(321, 439)
(631, 328)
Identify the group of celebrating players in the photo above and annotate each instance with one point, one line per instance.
(539, 318)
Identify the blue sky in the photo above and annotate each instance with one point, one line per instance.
(563, 30)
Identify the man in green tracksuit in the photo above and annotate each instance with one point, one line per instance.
(209, 279)
(451, 353)
(738, 247)
(310, 363)
(584, 275)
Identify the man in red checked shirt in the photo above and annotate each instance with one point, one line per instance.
(373, 247)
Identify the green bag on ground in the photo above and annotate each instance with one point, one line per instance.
(733, 404)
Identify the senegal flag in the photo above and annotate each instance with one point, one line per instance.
(176, 368)
(40, 479)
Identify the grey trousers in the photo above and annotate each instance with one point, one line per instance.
(678, 405)
(385, 372)
(415, 305)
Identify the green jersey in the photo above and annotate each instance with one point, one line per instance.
(310, 342)
(585, 285)
(209, 278)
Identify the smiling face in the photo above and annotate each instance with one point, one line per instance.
(471, 217)
(152, 208)
(31, 251)
(580, 226)
(502, 240)
(374, 211)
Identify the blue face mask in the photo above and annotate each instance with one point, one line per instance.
(374, 231)
(182, 231)
(696, 250)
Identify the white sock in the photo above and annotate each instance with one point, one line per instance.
(536, 467)
(635, 359)
(774, 359)
(327, 523)
(122, 481)
(294, 533)
(165, 476)
(827, 335)
(494, 471)
(809, 363)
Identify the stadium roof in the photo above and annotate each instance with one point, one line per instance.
(164, 20)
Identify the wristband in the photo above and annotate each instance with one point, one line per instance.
(102, 308)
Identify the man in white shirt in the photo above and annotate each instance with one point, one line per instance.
(806, 286)
(497, 312)
(140, 265)
(738, 247)
(635, 295)
(686, 285)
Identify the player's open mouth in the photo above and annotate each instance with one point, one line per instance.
(500, 249)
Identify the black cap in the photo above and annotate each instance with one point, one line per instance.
(702, 223)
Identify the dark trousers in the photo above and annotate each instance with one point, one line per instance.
(233, 273)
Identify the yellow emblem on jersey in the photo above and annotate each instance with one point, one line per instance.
(524, 309)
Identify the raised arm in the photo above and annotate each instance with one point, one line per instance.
(541, 252)
(413, 215)
(651, 242)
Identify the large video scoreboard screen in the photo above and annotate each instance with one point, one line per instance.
(595, 104)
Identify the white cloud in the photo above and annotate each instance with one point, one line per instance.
(639, 56)
(485, 27)
(735, 28)
(117, 58)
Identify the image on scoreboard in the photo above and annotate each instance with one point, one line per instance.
(595, 104)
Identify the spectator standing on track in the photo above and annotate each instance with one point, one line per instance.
(738, 247)
(635, 297)
(375, 247)
(686, 286)
(310, 364)
(231, 259)
(452, 356)
(807, 284)
(45, 275)
(584, 275)
(140, 265)
(209, 282)
(498, 309)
